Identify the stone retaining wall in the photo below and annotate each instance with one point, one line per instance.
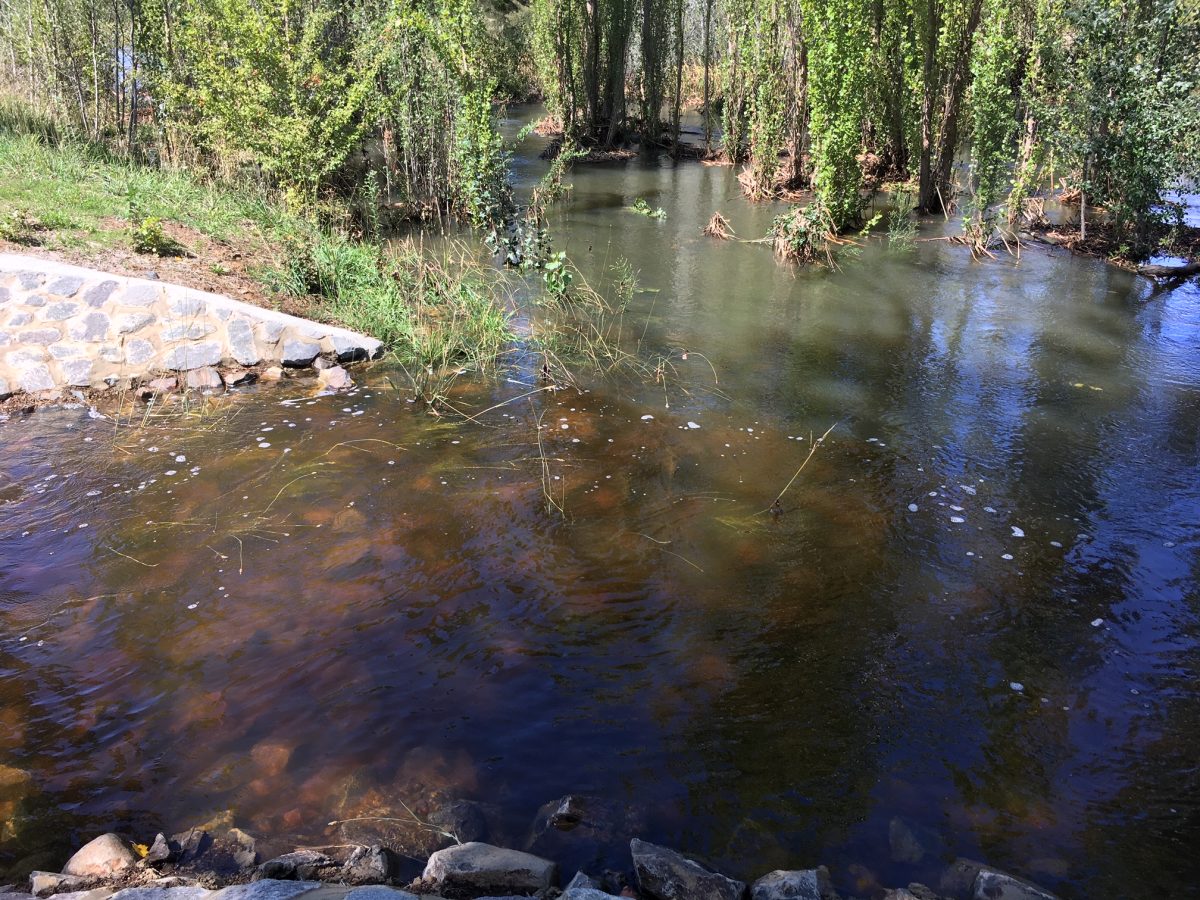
(66, 326)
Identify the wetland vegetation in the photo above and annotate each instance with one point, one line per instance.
(587, 528)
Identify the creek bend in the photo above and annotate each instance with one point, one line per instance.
(978, 613)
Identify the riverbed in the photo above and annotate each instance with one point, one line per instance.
(975, 611)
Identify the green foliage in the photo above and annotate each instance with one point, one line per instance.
(642, 208)
(837, 80)
(146, 235)
(21, 227)
(993, 110)
(902, 225)
(805, 234)
(555, 275)
(282, 81)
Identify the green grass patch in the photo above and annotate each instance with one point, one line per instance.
(433, 314)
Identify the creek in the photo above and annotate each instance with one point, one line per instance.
(978, 615)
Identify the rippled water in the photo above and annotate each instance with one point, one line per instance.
(978, 613)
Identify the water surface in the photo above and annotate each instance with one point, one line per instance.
(977, 615)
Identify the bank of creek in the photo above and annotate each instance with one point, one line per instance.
(973, 631)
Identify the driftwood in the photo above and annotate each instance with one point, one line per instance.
(1182, 271)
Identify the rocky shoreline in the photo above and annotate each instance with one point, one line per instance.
(223, 863)
(67, 330)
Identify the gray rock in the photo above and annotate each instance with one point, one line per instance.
(379, 892)
(321, 364)
(162, 892)
(5, 295)
(801, 884)
(9, 892)
(139, 352)
(141, 294)
(186, 305)
(41, 336)
(582, 880)
(111, 353)
(97, 295)
(207, 378)
(269, 331)
(241, 342)
(993, 885)
(349, 349)
(193, 844)
(370, 865)
(299, 353)
(299, 865)
(129, 323)
(5, 390)
(236, 377)
(101, 857)
(35, 378)
(57, 312)
(958, 881)
(193, 356)
(77, 372)
(915, 891)
(38, 300)
(92, 327)
(5, 338)
(336, 379)
(67, 350)
(162, 850)
(25, 356)
(667, 875)
(266, 889)
(65, 286)
(19, 317)
(43, 883)
(29, 280)
(475, 868)
(187, 331)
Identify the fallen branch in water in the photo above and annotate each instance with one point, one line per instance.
(811, 451)
(1186, 270)
(718, 226)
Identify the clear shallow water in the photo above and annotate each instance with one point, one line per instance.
(386, 596)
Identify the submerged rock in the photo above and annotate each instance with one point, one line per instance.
(477, 868)
(103, 857)
(266, 889)
(668, 875)
(335, 379)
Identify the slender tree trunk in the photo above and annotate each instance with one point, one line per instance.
(927, 196)
(708, 9)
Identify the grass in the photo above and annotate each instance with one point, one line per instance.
(68, 195)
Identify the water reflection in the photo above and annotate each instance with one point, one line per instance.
(380, 605)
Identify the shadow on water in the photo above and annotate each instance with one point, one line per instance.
(973, 630)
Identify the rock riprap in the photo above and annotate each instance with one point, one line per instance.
(475, 868)
(667, 875)
(65, 326)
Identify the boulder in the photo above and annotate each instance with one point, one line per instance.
(993, 885)
(369, 865)
(958, 881)
(300, 865)
(103, 857)
(477, 868)
(667, 875)
(795, 884)
(235, 377)
(462, 818)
